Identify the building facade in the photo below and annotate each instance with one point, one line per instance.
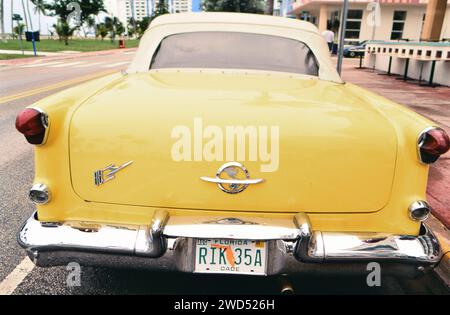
(125, 9)
(138, 9)
(282, 7)
(180, 6)
(370, 20)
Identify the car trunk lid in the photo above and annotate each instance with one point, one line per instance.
(335, 152)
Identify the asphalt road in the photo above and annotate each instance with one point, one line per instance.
(16, 175)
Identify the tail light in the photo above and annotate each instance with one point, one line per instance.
(32, 123)
(433, 142)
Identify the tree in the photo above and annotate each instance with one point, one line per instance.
(109, 24)
(143, 25)
(40, 7)
(250, 6)
(25, 15)
(29, 15)
(161, 8)
(114, 27)
(18, 19)
(12, 16)
(101, 30)
(120, 29)
(269, 7)
(2, 21)
(131, 26)
(64, 30)
(90, 23)
(59, 8)
(18, 30)
(88, 8)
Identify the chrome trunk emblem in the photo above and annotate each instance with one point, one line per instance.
(232, 178)
(108, 173)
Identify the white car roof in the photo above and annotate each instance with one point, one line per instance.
(233, 18)
(169, 24)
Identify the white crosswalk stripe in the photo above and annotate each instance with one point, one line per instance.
(77, 64)
(42, 64)
(90, 64)
(112, 65)
(68, 64)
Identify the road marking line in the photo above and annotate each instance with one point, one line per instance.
(90, 64)
(42, 64)
(12, 281)
(68, 64)
(129, 52)
(47, 88)
(115, 64)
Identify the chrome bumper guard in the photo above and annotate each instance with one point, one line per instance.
(169, 246)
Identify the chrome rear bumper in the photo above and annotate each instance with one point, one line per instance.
(168, 245)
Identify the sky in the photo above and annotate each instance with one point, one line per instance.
(46, 21)
(195, 5)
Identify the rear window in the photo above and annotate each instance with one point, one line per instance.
(232, 50)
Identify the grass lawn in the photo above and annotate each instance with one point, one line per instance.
(13, 56)
(54, 45)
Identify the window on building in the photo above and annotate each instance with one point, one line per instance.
(354, 18)
(398, 24)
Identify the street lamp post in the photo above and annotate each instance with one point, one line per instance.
(341, 36)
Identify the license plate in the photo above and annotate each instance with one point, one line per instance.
(230, 256)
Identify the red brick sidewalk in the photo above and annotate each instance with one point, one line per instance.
(433, 103)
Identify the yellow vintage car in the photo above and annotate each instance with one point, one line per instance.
(230, 145)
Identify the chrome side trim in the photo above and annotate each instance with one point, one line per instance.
(333, 246)
(41, 236)
(104, 238)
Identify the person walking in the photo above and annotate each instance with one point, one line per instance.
(328, 35)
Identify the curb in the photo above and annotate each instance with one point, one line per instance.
(19, 61)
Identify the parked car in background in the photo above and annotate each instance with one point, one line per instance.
(355, 50)
(135, 169)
